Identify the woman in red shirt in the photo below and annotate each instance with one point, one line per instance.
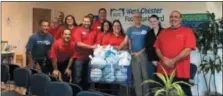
(106, 29)
(70, 23)
(114, 39)
(118, 35)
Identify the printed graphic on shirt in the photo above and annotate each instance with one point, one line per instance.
(143, 32)
(44, 42)
(180, 36)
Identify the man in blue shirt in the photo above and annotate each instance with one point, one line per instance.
(135, 37)
(38, 47)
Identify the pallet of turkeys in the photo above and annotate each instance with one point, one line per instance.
(108, 65)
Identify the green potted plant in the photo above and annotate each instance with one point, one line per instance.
(209, 38)
(169, 87)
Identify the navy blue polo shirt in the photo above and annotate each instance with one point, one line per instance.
(39, 45)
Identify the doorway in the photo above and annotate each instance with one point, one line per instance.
(40, 14)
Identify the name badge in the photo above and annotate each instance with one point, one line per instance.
(99, 27)
(179, 36)
(144, 31)
(84, 33)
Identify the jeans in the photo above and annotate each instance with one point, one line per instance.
(80, 73)
(45, 65)
(62, 68)
(151, 70)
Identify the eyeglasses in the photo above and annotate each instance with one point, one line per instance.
(174, 16)
(137, 17)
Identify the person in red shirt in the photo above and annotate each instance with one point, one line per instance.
(102, 13)
(56, 23)
(53, 27)
(60, 18)
(61, 55)
(85, 39)
(118, 35)
(92, 19)
(105, 32)
(114, 39)
(70, 23)
(173, 47)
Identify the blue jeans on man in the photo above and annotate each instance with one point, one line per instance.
(80, 73)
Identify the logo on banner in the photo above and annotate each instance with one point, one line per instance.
(125, 14)
(117, 13)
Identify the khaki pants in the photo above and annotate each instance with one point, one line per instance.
(139, 71)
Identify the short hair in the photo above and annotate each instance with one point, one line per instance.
(66, 29)
(137, 13)
(90, 14)
(177, 12)
(102, 9)
(87, 17)
(43, 20)
(61, 13)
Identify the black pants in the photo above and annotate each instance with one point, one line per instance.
(186, 88)
(80, 73)
(62, 68)
(45, 65)
(108, 88)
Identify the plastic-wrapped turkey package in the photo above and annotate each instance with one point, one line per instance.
(108, 65)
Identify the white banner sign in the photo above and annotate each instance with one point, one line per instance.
(126, 18)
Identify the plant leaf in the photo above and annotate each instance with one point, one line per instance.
(154, 90)
(162, 77)
(172, 75)
(150, 81)
(180, 92)
(165, 75)
(158, 92)
(182, 82)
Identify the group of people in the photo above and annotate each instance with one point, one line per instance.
(62, 48)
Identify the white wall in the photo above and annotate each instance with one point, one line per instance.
(21, 22)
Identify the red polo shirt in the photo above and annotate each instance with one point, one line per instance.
(53, 31)
(96, 26)
(101, 36)
(115, 40)
(61, 51)
(86, 37)
(105, 40)
(171, 42)
(60, 31)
